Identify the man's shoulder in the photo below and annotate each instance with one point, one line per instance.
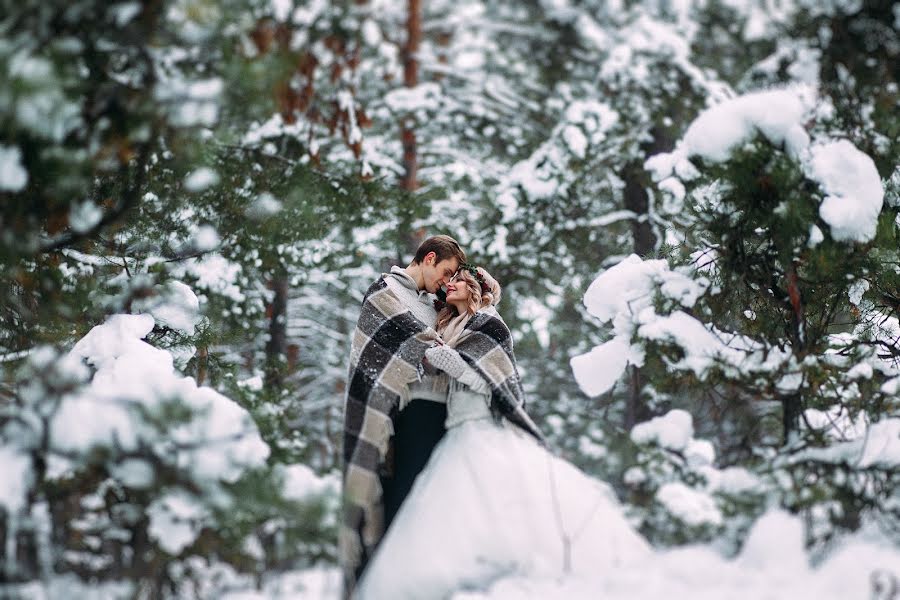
(378, 284)
(396, 286)
(384, 292)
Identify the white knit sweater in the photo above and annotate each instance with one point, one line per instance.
(421, 305)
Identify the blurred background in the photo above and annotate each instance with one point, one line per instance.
(242, 171)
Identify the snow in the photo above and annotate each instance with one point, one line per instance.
(674, 430)
(530, 177)
(121, 335)
(175, 305)
(772, 565)
(301, 482)
(693, 507)
(732, 480)
(371, 33)
(591, 31)
(124, 12)
(264, 205)
(13, 176)
(469, 60)
(878, 447)
(775, 544)
(201, 179)
(623, 295)
(854, 193)
(43, 108)
(17, 475)
(853, 190)
(254, 383)
(347, 103)
(281, 9)
(776, 571)
(192, 103)
(206, 238)
(216, 442)
(675, 189)
(596, 118)
(69, 585)
(272, 128)
(598, 370)
(699, 453)
(612, 291)
(176, 519)
(214, 273)
(701, 348)
(84, 215)
(777, 114)
(837, 423)
(223, 583)
(133, 472)
(860, 371)
(815, 236)
(539, 315)
(575, 140)
(627, 286)
(542, 174)
(425, 96)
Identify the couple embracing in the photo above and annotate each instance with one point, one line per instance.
(447, 481)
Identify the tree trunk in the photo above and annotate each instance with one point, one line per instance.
(792, 409)
(276, 346)
(411, 79)
(636, 410)
(792, 405)
(638, 201)
(202, 364)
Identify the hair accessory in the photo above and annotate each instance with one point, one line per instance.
(474, 272)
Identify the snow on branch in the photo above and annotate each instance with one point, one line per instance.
(852, 192)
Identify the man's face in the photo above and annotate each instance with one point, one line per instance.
(437, 275)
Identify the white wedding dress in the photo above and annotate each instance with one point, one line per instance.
(484, 508)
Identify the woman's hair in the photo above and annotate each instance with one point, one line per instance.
(478, 296)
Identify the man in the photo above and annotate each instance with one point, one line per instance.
(389, 393)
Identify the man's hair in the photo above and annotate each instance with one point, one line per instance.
(443, 246)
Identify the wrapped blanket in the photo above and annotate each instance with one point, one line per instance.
(486, 345)
(385, 357)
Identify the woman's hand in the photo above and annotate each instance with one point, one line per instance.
(446, 359)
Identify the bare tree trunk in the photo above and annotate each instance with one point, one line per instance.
(276, 346)
(202, 364)
(636, 410)
(638, 201)
(411, 79)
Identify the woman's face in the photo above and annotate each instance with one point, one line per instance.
(457, 290)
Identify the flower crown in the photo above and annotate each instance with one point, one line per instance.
(441, 300)
(474, 272)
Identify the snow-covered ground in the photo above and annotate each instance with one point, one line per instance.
(772, 566)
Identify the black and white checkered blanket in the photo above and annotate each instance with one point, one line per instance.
(486, 344)
(385, 357)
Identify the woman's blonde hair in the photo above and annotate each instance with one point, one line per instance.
(479, 295)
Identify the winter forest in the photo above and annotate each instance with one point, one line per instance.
(693, 207)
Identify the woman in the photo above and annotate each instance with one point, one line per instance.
(492, 500)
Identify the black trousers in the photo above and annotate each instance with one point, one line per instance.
(417, 430)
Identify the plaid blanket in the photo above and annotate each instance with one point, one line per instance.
(385, 357)
(486, 344)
